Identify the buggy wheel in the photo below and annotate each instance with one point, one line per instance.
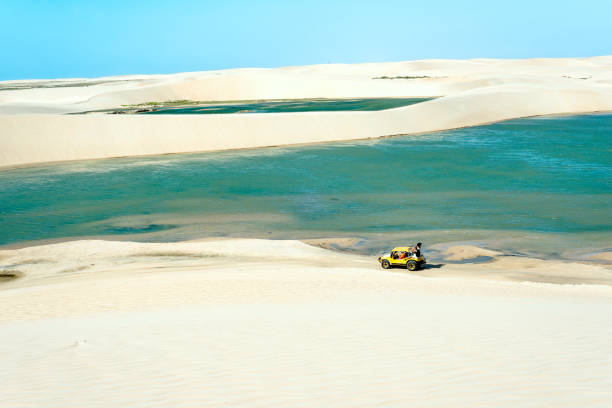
(411, 265)
(385, 264)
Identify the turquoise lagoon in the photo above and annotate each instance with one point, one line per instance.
(537, 186)
(294, 105)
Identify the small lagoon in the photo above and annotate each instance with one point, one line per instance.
(267, 106)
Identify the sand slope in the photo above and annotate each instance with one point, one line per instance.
(177, 325)
(473, 92)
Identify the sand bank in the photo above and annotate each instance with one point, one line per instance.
(282, 323)
(471, 92)
(66, 261)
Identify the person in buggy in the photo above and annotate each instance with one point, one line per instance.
(416, 250)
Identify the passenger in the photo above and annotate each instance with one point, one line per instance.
(416, 250)
(402, 255)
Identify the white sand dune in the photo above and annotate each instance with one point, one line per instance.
(286, 324)
(472, 92)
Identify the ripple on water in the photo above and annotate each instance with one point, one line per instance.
(530, 175)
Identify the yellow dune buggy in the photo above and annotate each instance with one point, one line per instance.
(401, 257)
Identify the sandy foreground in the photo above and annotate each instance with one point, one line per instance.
(281, 323)
(33, 127)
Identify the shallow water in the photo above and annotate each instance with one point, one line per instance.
(537, 186)
(298, 105)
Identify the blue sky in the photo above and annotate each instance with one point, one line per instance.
(62, 38)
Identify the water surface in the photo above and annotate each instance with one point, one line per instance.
(295, 105)
(540, 185)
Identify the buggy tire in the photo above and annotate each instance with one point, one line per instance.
(411, 266)
(385, 264)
